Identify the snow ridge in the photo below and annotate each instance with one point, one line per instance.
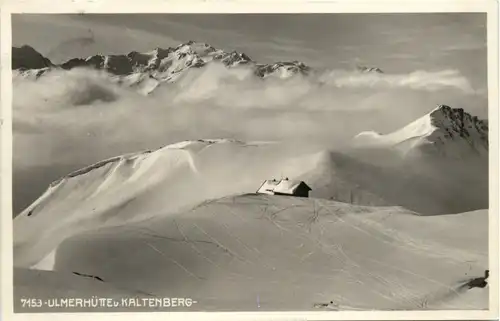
(188, 145)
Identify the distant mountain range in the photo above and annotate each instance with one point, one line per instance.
(147, 70)
(156, 66)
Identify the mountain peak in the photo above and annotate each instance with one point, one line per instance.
(26, 58)
(457, 122)
(366, 69)
(444, 131)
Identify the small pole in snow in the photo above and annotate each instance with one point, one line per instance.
(258, 301)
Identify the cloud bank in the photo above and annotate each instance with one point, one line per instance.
(418, 80)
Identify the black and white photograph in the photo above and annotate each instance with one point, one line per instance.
(251, 162)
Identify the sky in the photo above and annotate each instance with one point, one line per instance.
(396, 43)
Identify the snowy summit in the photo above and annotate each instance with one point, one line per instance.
(444, 131)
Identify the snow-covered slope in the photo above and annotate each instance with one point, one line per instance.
(147, 70)
(183, 221)
(128, 188)
(193, 171)
(445, 131)
(429, 187)
(286, 253)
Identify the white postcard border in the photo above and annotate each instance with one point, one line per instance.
(257, 6)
